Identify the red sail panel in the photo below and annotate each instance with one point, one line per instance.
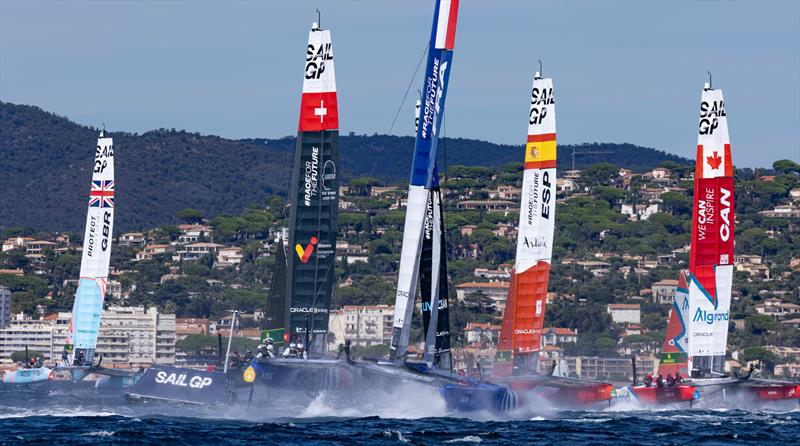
(676, 341)
(521, 332)
(712, 226)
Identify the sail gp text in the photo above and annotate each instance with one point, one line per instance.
(180, 379)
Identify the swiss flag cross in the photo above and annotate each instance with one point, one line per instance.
(319, 111)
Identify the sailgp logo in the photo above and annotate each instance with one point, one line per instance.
(709, 317)
(305, 254)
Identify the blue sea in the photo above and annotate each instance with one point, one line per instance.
(55, 416)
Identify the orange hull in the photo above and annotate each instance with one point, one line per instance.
(572, 394)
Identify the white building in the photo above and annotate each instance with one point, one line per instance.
(639, 211)
(5, 306)
(497, 291)
(37, 335)
(624, 313)
(363, 325)
(229, 256)
(131, 336)
(131, 239)
(664, 291)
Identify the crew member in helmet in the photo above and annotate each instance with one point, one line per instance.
(291, 351)
(678, 378)
(660, 380)
(648, 380)
(670, 380)
(270, 348)
(301, 351)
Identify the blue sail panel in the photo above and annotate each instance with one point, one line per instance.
(437, 74)
(86, 313)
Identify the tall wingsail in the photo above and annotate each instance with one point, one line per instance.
(433, 277)
(676, 340)
(87, 308)
(520, 335)
(711, 259)
(434, 92)
(315, 196)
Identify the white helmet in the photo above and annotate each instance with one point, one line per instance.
(300, 345)
(292, 345)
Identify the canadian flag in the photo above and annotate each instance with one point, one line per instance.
(319, 111)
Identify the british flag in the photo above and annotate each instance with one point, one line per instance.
(102, 194)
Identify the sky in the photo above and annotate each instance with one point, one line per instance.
(622, 71)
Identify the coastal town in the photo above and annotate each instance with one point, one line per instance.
(621, 238)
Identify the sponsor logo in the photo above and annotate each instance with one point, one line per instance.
(538, 307)
(709, 116)
(183, 380)
(724, 214)
(249, 374)
(316, 56)
(305, 254)
(310, 182)
(533, 209)
(100, 157)
(434, 88)
(540, 98)
(308, 310)
(105, 231)
(328, 174)
(706, 212)
(426, 306)
(709, 317)
(534, 242)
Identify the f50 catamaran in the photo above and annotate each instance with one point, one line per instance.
(711, 265)
(87, 308)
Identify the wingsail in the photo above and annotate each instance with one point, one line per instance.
(433, 278)
(87, 308)
(434, 93)
(315, 196)
(521, 332)
(711, 259)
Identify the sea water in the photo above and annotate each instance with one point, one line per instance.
(82, 415)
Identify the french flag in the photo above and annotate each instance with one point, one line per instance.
(445, 37)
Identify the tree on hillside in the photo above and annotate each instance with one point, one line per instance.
(786, 166)
(190, 216)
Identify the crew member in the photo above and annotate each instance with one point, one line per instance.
(248, 356)
(648, 380)
(678, 378)
(65, 357)
(670, 380)
(301, 351)
(660, 380)
(291, 351)
(270, 348)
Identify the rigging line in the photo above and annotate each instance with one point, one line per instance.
(421, 58)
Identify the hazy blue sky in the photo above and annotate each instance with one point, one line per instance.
(623, 71)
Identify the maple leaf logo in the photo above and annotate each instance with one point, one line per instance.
(714, 161)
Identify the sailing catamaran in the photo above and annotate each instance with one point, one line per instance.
(87, 308)
(711, 264)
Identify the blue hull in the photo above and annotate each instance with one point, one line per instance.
(479, 397)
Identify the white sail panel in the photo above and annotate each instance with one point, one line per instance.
(88, 306)
(409, 256)
(319, 74)
(708, 326)
(537, 213)
(713, 142)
